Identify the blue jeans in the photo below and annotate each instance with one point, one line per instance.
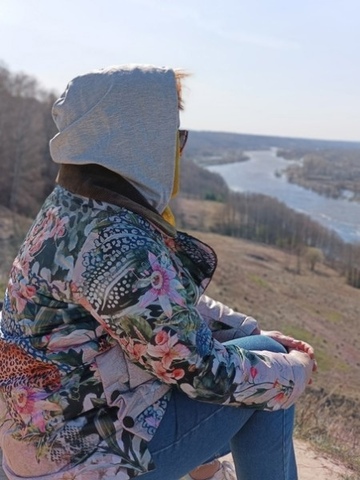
(192, 433)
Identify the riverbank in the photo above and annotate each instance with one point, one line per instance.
(213, 160)
(260, 174)
(332, 173)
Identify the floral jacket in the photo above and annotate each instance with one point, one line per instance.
(103, 316)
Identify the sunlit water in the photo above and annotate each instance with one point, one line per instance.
(258, 175)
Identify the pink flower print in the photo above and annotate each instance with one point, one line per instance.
(51, 227)
(170, 243)
(22, 264)
(35, 244)
(139, 350)
(21, 294)
(59, 228)
(95, 371)
(161, 337)
(136, 350)
(178, 373)
(164, 286)
(30, 405)
(280, 397)
(167, 376)
(253, 372)
(168, 350)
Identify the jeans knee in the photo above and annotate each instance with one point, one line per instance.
(258, 342)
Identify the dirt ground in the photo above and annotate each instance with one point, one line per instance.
(314, 466)
(311, 466)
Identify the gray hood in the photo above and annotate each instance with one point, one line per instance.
(124, 118)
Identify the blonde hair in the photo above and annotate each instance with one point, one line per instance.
(179, 77)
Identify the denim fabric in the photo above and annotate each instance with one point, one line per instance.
(193, 432)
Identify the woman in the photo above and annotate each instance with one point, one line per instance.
(111, 361)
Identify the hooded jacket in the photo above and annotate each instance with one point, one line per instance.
(105, 312)
(126, 120)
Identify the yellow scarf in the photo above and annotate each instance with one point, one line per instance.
(167, 213)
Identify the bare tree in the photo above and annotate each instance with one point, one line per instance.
(24, 134)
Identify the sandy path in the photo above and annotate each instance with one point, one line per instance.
(311, 465)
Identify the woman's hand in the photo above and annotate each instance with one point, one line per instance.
(292, 344)
(308, 363)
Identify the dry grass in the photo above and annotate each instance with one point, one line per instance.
(331, 422)
(12, 230)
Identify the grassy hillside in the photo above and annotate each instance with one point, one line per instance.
(13, 228)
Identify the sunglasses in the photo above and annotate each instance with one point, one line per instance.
(183, 136)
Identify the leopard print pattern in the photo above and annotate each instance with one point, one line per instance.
(20, 369)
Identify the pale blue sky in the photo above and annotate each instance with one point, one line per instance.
(273, 67)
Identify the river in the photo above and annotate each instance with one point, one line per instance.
(258, 175)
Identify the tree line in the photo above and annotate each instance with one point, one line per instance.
(26, 127)
(332, 173)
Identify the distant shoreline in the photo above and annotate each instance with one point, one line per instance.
(213, 162)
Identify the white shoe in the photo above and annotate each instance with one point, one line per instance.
(225, 472)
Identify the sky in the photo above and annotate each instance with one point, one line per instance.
(269, 67)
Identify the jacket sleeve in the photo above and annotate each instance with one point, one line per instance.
(224, 322)
(147, 300)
